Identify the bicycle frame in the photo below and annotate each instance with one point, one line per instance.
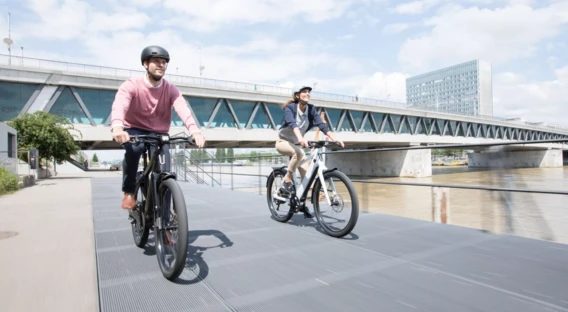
(315, 171)
(152, 176)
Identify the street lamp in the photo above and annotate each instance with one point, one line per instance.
(9, 42)
(201, 67)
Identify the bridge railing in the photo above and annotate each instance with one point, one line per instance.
(497, 200)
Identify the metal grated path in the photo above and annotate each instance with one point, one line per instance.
(388, 264)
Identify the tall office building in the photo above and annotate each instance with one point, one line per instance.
(465, 89)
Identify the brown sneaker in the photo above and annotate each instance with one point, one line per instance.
(128, 201)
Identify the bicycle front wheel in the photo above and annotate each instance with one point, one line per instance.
(171, 239)
(337, 217)
(138, 219)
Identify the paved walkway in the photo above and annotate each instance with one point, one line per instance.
(242, 260)
(239, 259)
(49, 265)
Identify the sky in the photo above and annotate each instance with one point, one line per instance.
(354, 47)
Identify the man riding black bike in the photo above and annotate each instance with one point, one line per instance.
(143, 105)
(299, 118)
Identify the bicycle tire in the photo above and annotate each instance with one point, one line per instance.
(140, 234)
(354, 204)
(269, 184)
(182, 228)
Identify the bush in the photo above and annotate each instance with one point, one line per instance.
(8, 181)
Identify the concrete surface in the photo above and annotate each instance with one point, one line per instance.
(410, 163)
(516, 159)
(49, 264)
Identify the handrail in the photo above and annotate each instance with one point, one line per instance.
(197, 164)
(101, 71)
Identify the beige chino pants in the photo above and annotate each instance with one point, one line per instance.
(296, 152)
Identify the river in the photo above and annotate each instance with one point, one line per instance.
(539, 216)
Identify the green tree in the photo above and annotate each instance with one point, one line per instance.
(50, 134)
(95, 158)
(230, 155)
(218, 153)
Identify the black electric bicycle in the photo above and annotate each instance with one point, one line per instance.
(155, 188)
(329, 198)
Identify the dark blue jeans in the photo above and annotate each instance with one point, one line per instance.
(132, 154)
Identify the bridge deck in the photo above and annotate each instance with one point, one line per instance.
(389, 264)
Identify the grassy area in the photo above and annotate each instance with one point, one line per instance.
(8, 182)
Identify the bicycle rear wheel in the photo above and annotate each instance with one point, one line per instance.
(343, 198)
(171, 240)
(276, 206)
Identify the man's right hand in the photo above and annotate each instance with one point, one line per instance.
(119, 135)
(303, 142)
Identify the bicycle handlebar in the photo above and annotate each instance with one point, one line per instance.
(160, 139)
(321, 143)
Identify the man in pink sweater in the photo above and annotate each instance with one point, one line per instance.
(143, 105)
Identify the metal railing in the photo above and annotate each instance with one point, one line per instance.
(101, 71)
(499, 203)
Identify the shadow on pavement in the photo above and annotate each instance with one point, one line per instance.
(299, 220)
(195, 262)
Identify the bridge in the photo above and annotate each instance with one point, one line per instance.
(233, 114)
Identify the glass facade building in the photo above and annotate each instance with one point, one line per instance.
(465, 89)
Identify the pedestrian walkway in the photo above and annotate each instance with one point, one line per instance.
(49, 264)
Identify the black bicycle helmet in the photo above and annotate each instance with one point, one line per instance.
(154, 51)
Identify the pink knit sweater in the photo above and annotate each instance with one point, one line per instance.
(139, 105)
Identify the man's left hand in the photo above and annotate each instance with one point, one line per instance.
(199, 139)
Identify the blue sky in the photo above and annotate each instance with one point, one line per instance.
(364, 47)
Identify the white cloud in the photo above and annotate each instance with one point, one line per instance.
(288, 84)
(123, 20)
(552, 60)
(545, 101)
(497, 35)
(349, 66)
(74, 19)
(58, 20)
(415, 7)
(345, 37)
(210, 15)
(364, 15)
(525, 2)
(391, 86)
(383, 86)
(391, 29)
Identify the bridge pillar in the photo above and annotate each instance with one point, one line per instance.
(516, 159)
(408, 163)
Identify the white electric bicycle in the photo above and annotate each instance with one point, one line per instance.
(328, 202)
